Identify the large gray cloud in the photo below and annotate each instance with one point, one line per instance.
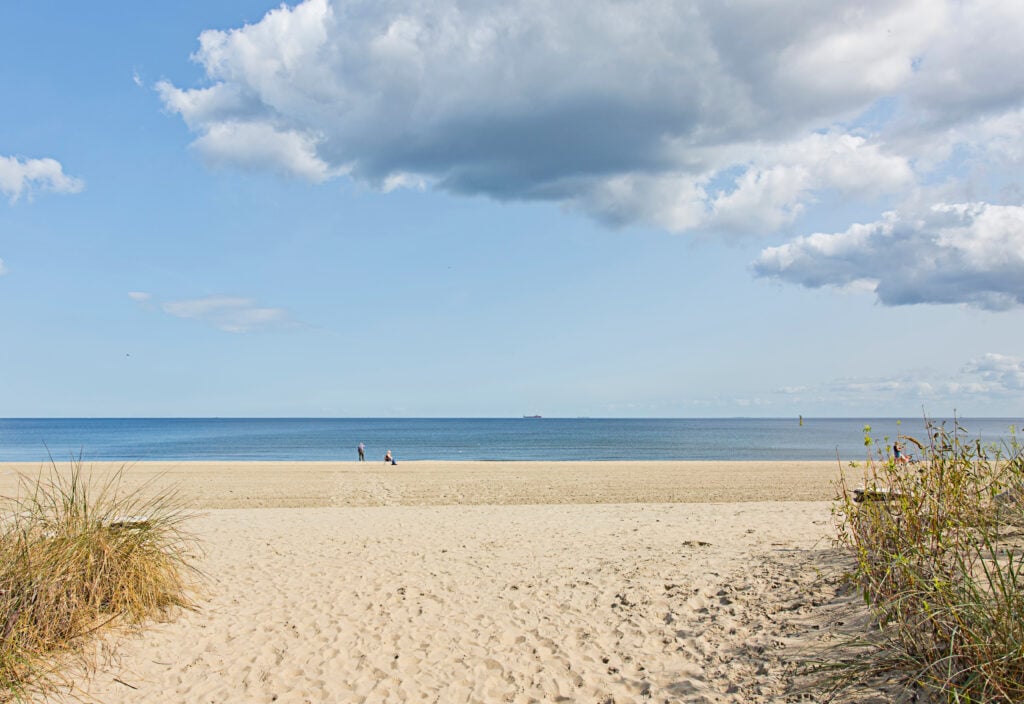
(629, 111)
(688, 115)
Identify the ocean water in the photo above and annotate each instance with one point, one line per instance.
(141, 439)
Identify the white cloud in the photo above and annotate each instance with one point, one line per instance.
(3, 269)
(771, 186)
(793, 390)
(973, 65)
(627, 111)
(684, 115)
(259, 146)
(1004, 372)
(227, 313)
(991, 377)
(21, 176)
(955, 253)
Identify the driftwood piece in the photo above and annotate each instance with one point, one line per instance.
(862, 495)
(129, 522)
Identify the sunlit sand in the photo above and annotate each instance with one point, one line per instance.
(489, 582)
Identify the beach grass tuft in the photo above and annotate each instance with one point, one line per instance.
(78, 555)
(938, 547)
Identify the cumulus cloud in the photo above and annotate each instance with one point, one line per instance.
(954, 253)
(680, 114)
(257, 146)
(771, 188)
(687, 115)
(230, 314)
(971, 68)
(24, 176)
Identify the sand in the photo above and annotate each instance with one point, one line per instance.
(490, 582)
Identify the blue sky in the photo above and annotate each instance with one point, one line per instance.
(442, 208)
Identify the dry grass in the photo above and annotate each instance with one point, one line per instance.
(78, 555)
(938, 560)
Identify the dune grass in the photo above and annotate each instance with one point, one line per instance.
(78, 555)
(938, 547)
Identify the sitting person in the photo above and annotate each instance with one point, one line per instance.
(387, 458)
(897, 453)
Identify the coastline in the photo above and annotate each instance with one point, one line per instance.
(488, 582)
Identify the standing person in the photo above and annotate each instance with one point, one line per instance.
(362, 452)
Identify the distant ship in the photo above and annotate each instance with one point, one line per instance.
(531, 416)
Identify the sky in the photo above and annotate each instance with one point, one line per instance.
(474, 208)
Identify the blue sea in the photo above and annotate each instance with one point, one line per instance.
(142, 439)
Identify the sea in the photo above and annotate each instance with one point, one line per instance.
(494, 439)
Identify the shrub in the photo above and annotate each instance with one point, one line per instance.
(937, 550)
(77, 555)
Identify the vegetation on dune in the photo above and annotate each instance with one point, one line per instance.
(78, 556)
(938, 545)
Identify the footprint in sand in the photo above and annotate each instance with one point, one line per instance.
(365, 490)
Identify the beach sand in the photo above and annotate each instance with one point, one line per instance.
(490, 582)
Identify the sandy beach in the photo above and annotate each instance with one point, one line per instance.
(489, 582)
